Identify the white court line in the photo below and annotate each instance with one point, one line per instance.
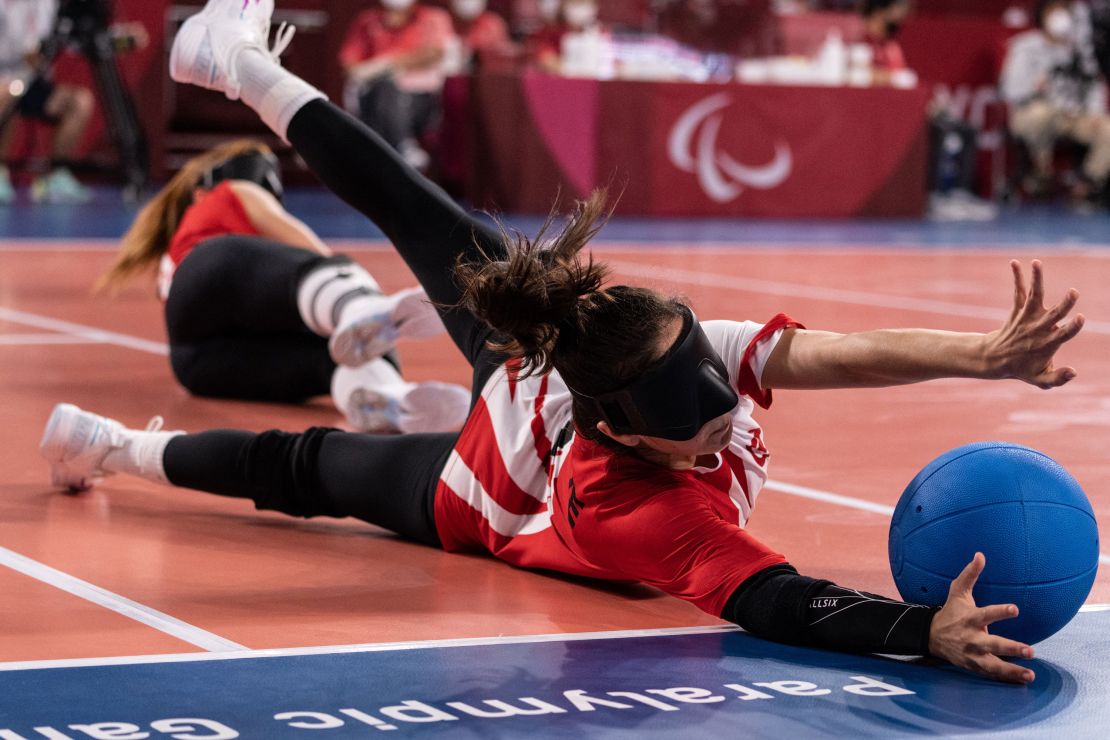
(32, 339)
(381, 647)
(88, 333)
(128, 608)
(373, 647)
(821, 293)
(849, 501)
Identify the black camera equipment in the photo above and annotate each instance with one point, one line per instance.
(84, 26)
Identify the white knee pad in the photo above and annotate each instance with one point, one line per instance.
(324, 292)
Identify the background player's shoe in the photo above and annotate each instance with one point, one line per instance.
(77, 445)
(206, 48)
(371, 326)
(374, 398)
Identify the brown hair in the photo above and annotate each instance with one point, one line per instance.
(150, 235)
(551, 308)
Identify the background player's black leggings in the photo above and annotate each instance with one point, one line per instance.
(234, 327)
(388, 481)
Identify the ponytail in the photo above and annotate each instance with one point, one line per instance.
(152, 232)
(550, 307)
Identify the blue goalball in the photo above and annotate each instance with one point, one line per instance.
(1022, 510)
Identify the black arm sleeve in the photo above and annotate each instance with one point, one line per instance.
(778, 604)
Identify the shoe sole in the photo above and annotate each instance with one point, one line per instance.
(363, 341)
(185, 49)
(427, 408)
(416, 318)
(54, 445)
(433, 408)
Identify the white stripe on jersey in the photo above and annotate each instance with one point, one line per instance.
(460, 479)
(511, 418)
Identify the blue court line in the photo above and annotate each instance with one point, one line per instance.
(108, 217)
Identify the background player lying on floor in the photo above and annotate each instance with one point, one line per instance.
(613, 479)
(252, 296)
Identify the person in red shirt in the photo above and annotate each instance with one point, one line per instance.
(545, 46)
(482, 33)
(393, 57)
(611, 435)
(234, 267)
(882, 20)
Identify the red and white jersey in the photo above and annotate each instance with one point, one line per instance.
(218, 212)
(523, 485)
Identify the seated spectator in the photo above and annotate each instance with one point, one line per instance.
(25, 83)
(735, 27)
(953, 143)
(394, 60)
(1056, 92)
(482, 33)
(578, 25)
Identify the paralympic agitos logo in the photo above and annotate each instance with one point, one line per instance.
(693, 147)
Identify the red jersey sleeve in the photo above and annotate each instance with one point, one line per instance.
(673, 540)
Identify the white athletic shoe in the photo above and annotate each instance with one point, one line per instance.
(379, 322)
(205, 49)
(419, 408)
(374, 398)
(76, 443)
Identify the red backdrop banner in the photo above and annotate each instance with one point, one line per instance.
(677, 149)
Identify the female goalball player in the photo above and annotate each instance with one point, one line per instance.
(253, 299)
(611, 433)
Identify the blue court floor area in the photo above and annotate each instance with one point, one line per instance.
(107, 217)
(707, 683)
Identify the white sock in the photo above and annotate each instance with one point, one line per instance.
(329, 290)
(275, 93)
(141, 455)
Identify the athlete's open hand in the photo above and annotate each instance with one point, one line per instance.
(1025, 346)
(959, 632)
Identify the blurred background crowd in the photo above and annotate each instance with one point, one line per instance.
(972, 104)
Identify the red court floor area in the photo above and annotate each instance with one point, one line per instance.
(263, 581)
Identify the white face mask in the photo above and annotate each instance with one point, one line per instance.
(397, 4)
(580, 15)
(549, 9)
(468, 9)
(1058, 24)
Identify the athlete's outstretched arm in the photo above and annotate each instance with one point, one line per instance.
(778, 604)
(1024, 348)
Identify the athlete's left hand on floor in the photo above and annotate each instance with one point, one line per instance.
(959, 632)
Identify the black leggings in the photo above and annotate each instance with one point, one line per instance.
(234, 327)
(387, 481)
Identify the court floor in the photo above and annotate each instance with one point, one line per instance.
(134, 591)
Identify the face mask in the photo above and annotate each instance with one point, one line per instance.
(549, 9)
(1058, 24)
(580, 15)
(397, 4)
(468, 9)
